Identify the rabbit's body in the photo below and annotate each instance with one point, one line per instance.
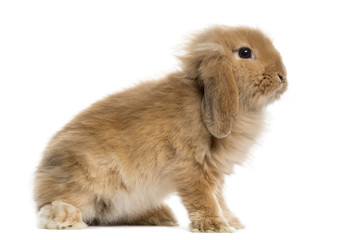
(117, 161)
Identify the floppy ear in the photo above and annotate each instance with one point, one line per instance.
(220, 93)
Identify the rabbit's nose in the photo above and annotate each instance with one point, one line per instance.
(281, 78)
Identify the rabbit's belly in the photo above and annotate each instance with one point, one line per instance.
(133, 204)
(128, 205)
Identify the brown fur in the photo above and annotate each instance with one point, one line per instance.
(117, 160)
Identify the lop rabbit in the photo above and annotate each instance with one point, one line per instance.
(117, 161)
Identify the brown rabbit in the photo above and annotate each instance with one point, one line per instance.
(118, 160)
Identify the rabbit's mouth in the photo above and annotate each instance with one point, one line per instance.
(282, 87)
(279, 91)
(269, 84)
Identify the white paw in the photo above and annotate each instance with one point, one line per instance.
(60, 215)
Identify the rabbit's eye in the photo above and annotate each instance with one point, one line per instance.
(245, 53)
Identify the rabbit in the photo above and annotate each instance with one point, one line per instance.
(116, 161)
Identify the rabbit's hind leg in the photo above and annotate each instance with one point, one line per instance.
(162, 216)
(60, 215)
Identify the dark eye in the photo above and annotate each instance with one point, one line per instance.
(244, 53)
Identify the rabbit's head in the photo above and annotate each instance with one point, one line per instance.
(237, 68)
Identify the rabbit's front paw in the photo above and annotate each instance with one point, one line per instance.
(211, 224)
(236, 223)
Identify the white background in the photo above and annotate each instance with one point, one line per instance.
(58, 57)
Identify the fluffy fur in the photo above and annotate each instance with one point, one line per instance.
(117, 161)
